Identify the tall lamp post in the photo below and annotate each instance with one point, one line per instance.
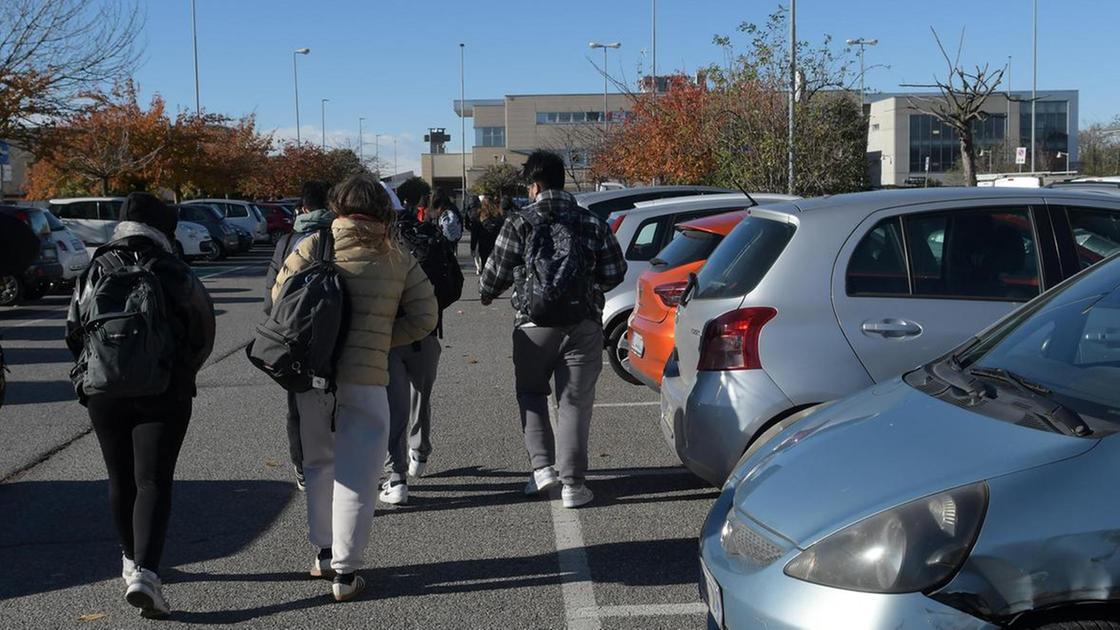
(462, 117)
(606, 107)
(361, 143)
(323, 113)
(194, 36)
(295, 81)
(653, 44)
(1034, 87)
(863, 44)
(377, 153)
(792, 87)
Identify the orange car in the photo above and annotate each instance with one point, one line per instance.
(650, 336)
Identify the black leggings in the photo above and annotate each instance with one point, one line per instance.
(140, 441)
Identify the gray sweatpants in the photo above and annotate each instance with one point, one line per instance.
(412, 375)
(342, 468)
(572, 357)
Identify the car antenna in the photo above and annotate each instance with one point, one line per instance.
(744, 191)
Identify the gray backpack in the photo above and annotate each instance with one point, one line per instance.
(298, 345)
(129, 349)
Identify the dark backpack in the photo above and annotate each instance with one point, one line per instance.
(298, 345)
(129, 348)
(556, 285)
(436, 257)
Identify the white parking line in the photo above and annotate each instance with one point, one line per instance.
(630, 404)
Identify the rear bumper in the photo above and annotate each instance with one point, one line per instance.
(710, 425)
(658, 342)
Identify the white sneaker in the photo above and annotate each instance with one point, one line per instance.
(394, 492)
(576, 495)
(416, 466)
(146, 593)
(347, 587)
(321, 568)
(542, 479)
(128, 570)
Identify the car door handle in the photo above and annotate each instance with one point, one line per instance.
(892, 328)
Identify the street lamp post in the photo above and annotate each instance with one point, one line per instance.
(377, 153)
(1034, 88)
(462, 118)
(792, 88)
(653, 45)
(295, 81)
(863, 44)
(606, 107)
(1064, 154)
(194, 36)
(323, 113)
(361, 143)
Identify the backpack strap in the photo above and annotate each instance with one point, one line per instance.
(325, 251)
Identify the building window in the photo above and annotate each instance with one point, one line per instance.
(1051, 124)
(489, 136)
(933, 139)
(577, 118)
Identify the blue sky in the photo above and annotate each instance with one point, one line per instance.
(396, 62)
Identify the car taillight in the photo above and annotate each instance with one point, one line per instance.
(617, 223)
(730, 341)
(670, 293)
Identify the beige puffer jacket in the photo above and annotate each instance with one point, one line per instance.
(383, 282)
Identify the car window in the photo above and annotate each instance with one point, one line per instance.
(56, 225)
(987, 254)
(688, 247)
(38, 222)
(189, 213)
(647, 240)
(878, 265)
(744, 258)
(236, 211)
(110, 210)
(1096, 232)
(77, 210)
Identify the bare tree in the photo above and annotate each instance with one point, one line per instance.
(52, 52)
(962, 97)
(576, 143)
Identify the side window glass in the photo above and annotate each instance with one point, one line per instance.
(236, 211)
(110, 211)
(987, 254)
(878, 266)
(647, 240)
(1096, 232)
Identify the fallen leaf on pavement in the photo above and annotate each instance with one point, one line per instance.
(271, 463)
(92, 616)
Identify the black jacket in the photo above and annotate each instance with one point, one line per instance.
(187, 301)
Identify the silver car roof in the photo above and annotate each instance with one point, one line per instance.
(586, 198)
(868, 202)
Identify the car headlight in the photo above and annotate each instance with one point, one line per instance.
(910, 548)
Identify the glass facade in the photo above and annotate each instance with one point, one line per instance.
(489, 136)
(938, 141)
(1051, 124)
(568, 118)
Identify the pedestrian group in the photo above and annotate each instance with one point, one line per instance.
(354, 308)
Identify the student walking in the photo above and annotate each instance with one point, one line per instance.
(345, 432)
(413, 367)
(312, 216)
(136, 376)
(490, 221)
(560, 259)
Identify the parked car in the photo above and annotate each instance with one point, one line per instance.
(244, 214)
(649, 338)
(971, 493)
(603, 203)
(222, 235)
(244, 239)
(72, 252)
(808, 301)
(93, 220)
(278, 218)
(642, 232)
(44, 273)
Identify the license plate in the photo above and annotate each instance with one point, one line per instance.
(712, 595)
(637, 345)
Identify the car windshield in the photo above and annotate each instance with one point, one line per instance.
(1070, 347)
(744, 258)
(689, 246)
(53, 221)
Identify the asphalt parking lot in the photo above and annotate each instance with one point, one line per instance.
(468, 551)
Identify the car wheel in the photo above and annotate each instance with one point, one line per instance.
(618, 353)
(216, 252)
(11, 290)
(1082, 624)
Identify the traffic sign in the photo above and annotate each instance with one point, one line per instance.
(1020, 155)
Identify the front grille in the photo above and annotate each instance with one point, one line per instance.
(743, 541)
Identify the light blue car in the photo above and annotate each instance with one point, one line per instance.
(978, 491)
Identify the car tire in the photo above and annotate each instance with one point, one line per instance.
(1080, 624)
(11, 291)
(617, 353)
(217, 252)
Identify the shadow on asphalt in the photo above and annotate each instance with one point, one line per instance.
(37, 392)
(33, 333)
(32, 356)
(64, 528)
(237, 300)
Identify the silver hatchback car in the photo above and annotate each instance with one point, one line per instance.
(971, 493)
(809, 301)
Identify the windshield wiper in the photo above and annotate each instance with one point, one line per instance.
(1060, 417)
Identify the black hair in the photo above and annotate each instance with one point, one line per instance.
(314, 195)
(545, 169)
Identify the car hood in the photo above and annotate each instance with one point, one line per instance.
(883, 447)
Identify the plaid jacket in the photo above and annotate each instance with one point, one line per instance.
(502, 267)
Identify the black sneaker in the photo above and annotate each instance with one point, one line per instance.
(301, 481)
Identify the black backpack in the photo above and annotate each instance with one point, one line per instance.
(298, 345)
(556, 287)
(436, 257)
(129, 348)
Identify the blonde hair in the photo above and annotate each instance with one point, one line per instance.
(491, 208)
